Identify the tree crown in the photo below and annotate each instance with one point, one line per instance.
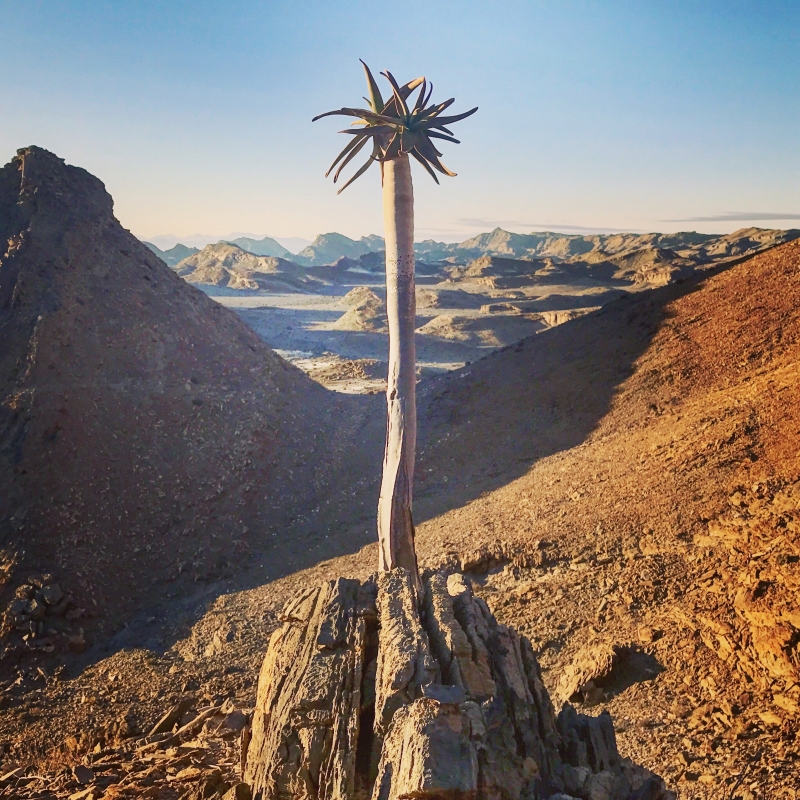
(395, 128)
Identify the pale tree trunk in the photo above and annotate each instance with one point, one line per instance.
(395, 523)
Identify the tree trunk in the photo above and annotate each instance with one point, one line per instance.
(395, 523)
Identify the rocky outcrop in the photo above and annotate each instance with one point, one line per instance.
(367, 312)
(227, 264)
(375, 690)
(750, 582)
(309, 697)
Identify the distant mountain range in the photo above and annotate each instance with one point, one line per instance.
(328, 248)
(261, 247)
(498, 262)
(599, 247)
(199, 240)
(174, 255)
(230, 265)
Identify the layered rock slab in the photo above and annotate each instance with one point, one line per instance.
(379, 690)
(309, 698)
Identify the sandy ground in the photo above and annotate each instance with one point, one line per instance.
(300, 327)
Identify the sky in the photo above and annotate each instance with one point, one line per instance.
(593, 116)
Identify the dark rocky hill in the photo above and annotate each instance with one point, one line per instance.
(148, 438)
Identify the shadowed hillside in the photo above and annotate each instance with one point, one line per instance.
(142, 425)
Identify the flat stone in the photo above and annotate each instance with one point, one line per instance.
(235, 721)
(12, 775)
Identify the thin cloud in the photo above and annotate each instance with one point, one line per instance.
(738, 216)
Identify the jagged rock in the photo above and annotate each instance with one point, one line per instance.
(427, 753)
(592, 664)
(167, 722)
(588, 741)
(378, 691)
(462, 656)
(309, 696)
(452, 695)
(82, 774)
(405, 663)
(36, 609)
(52, 594)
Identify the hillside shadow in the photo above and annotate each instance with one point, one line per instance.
(564, 302)
(485, 425)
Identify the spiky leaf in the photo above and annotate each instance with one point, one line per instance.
(394, 130)
(375, 99)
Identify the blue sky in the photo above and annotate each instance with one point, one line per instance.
(593, 115)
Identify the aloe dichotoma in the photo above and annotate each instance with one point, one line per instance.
(396, 130)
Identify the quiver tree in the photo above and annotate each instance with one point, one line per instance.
(399, 688)
(396, 129)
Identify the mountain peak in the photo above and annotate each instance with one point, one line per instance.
(327, 248)
(112, 370)
(71, 191)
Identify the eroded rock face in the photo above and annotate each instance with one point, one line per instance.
(372, 690)
(309, 697)
(405, 664)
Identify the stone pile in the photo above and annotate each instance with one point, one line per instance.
(44, 616)
(383, 690)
